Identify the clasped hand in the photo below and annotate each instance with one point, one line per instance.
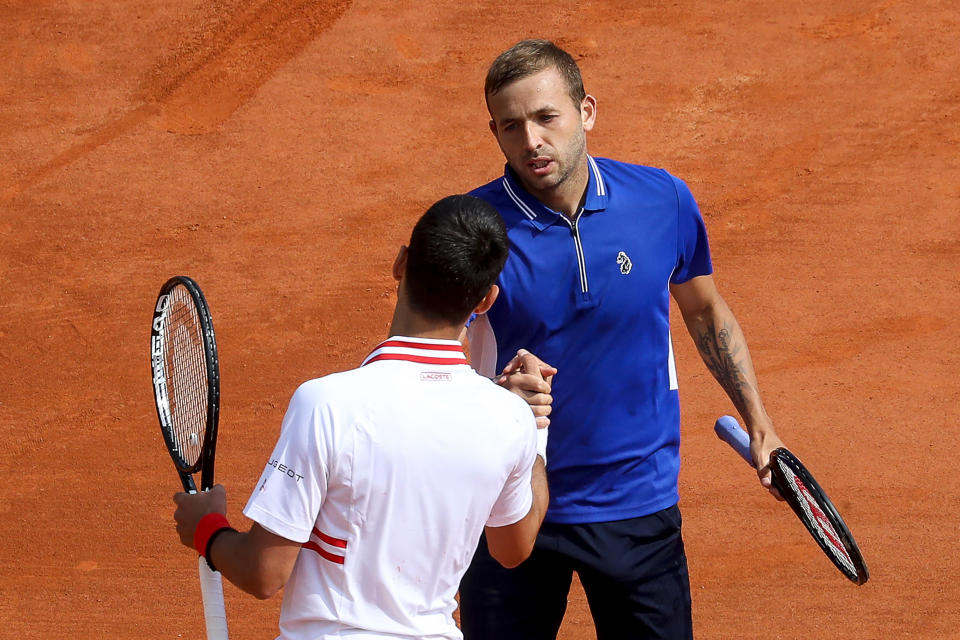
(530, 378)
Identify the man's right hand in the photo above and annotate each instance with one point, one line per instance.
(530, 377)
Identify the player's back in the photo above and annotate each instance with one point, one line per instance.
(418, 453)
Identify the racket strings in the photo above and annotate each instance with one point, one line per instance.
(827, 534)
(185, 366)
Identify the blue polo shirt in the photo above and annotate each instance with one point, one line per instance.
(592, 298)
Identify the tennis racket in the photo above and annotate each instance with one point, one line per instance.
(807, 499)
(186, 387)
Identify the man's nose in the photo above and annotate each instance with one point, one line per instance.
(531, 137)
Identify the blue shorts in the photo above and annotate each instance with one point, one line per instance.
(633, 572)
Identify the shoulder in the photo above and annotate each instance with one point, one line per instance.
(327, 389)
(503, 197)
(494, 193)
(492, 397)
(488, 189)
(507, 410)
(630, 172)
(644, 181)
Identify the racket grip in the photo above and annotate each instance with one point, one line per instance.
(214, 612)
(728, 430)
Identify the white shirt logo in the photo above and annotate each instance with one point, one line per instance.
(624, 261)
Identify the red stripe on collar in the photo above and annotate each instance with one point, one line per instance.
(444, 352)
(411, 344)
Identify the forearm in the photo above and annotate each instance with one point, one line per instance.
(512, 544)
(257, 561)
(541, 495)
(529, 526)
(253, 561)
(723, 348)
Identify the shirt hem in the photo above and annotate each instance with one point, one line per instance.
(609, 515)
(513, 518)
(275, 525)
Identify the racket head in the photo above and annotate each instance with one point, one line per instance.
(186, 378)
(812, 506)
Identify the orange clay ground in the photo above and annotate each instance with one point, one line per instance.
(279, 152)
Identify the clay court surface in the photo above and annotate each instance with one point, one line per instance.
(279, 152)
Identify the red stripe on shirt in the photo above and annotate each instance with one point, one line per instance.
(419, 345)
(330, 540)
(419, 359)
(326, 555)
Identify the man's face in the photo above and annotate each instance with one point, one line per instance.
(542, 133)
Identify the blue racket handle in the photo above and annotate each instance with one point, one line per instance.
(728, 430)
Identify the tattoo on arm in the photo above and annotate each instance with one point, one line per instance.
(723, 357)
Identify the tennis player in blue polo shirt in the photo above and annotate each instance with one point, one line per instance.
(598, 247)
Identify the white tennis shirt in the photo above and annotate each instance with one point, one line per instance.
(387, 474)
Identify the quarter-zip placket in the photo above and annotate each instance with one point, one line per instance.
(584, 299)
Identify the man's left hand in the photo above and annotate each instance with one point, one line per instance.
(191, 507)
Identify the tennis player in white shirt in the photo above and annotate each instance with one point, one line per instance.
(370, 507)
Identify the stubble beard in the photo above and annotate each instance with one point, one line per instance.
(569, 165)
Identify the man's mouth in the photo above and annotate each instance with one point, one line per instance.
(539, 165)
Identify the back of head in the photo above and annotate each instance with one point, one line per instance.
(528, 57)
(456, 252)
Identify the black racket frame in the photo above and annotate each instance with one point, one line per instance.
(205, 462)
(862, 574)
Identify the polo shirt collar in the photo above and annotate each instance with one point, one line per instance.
(540, 214)
(421, 350)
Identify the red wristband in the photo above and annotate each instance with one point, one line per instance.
(206, 528)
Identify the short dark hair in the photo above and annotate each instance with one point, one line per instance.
(528, 57)
(456, 252)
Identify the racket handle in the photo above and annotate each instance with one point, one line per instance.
(728, 430)
(214, 612)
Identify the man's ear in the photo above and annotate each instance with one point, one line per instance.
(400, 263)
(588, 112)
(484, 305)
(493, 128)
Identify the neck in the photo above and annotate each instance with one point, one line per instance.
(412, 325)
